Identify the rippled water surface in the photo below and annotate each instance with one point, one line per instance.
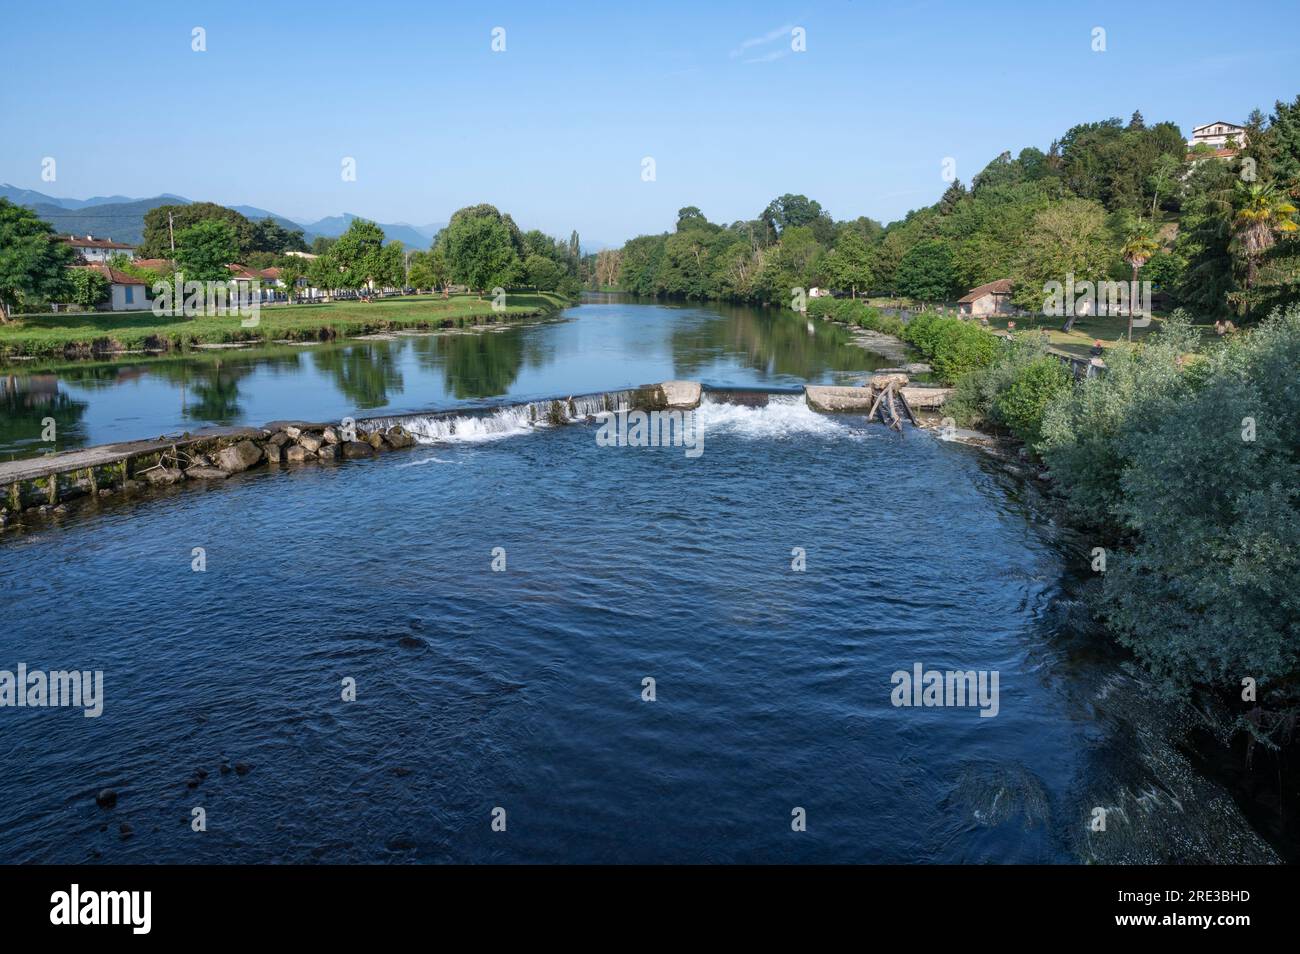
(522, 689)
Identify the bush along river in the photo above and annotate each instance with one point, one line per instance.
(515, 642)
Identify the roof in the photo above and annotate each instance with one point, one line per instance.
(245, 274)
(1000, 287)
(153, 264)
(272, 273)
(1217, 122)
(113, 275)
(1217, 153)
(90, 241)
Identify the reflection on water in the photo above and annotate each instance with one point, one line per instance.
(607, 343)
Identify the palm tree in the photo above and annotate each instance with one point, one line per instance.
(1138, 248)
(1262, 211)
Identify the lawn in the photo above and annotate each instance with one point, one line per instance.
(1109, 330)
(129, 331)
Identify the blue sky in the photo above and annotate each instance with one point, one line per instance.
(554, 129)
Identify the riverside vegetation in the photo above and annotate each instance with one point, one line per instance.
(480, 249)
(1184, 468)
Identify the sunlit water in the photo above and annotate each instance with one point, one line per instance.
(522, 689)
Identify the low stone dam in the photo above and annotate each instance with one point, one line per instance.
(43, 485)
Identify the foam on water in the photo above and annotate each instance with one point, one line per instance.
(783, 416)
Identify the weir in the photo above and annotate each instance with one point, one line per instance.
(43, 483)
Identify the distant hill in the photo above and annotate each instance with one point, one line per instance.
(120, 221)
(412, 236)
(121, 218)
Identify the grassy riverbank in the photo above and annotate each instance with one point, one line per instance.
(108, 332)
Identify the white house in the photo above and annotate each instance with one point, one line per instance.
(1216, 135)
(92, 250)
(126, 293)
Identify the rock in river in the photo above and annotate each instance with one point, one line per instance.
(238, 457)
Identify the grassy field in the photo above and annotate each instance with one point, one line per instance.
(1109, 330)
(61, 334)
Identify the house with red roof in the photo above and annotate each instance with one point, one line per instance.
(993, 298)
(91, 250)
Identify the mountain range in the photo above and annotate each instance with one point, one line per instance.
(121, 218)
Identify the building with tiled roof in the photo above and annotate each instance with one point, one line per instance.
(90, 249)
(126, 292)
(993, 298)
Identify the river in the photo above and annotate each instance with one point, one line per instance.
(498, 605)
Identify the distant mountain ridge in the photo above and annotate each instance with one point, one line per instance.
(121, 218)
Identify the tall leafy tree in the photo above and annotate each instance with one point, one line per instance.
(89, 286)
(480, 250)
(158, 232)
(1068, 238)
(926, 273)
(32, 263)
(205, 249)
(848, 264)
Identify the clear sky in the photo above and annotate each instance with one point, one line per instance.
(555, 128)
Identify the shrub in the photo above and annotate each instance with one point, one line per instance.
(1082, 432)
(979, 392)
(854, 312)
(954, 347)
(1210, 591)
(1020, 407)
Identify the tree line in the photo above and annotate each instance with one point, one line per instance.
(1108, 200)
(481, 249)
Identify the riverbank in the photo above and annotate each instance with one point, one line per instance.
(99, 334)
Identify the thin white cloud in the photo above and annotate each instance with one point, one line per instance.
(768, 57)
(763, 40)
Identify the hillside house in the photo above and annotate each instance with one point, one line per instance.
(1218, 135)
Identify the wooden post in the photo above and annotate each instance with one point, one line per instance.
(54, 489)
(126, 469)
(90, 478)
(16, 495)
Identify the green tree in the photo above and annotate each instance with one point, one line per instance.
(291, 271)
(356, 258)
(89, 286)
(1068, 238)
(480, 249)
(848, 264)
(158, 232)
(429, 270)
(1262, 211)
(926, 272)
(542, 273)
(32, 263)
(1138, 248)
(204, 250)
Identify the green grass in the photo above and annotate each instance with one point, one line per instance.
(1108, 329)
(34, 335)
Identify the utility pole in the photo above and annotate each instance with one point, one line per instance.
(170, 234)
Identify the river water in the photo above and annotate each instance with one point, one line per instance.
(606, 343)
(770, 587)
